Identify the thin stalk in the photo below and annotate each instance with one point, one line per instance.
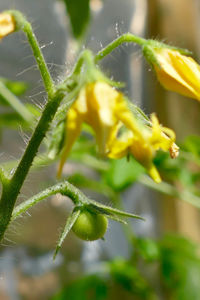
(163, 187)
(167, 189)
(15, 103)
(64, 188)
(85, 57)
(25, 26)
(125, 38)
(48, 81)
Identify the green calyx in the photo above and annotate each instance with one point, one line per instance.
(150, 46)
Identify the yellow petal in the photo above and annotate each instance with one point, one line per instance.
(119, 148)
(142, 142)
(124, 114)
(153, 172)
(161, 137)
(178, 72)
(142, 151)
(7, 24)
(101, 101)
(73, 128)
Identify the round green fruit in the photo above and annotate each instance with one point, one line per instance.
(90, 226)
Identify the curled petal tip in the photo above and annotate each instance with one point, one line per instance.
(174, 151)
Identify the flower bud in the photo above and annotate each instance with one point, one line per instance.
(175, 71)
(7, 24)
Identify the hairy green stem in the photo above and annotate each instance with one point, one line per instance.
(64, 188)
(12, 187)
(125, 38)
(48, 82)
(25, 26)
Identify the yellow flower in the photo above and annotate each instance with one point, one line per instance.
(101, 107)
(7, 24)
(143, 142)
(177, 72)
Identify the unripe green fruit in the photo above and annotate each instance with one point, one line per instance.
(90, 226)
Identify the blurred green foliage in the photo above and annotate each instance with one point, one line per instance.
(87, 288)
(18, 88)
(121, 173)
(180, 267)
(79, 14)
(192, 145)
(185, 169)
(175, 263)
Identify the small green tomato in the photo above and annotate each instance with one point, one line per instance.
(90, 226)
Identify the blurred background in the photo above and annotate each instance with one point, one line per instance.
(27, 270)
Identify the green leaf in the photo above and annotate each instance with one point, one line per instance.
(12, 120)
(107, 210)
(88, 287)
(18, 88)
(125, 274)
(33, 109)
(117, 219)
(79, 14)
(192, 144)
(169, 168)
(180, 267)
(122, 173)
(148, 249)
(15, 103)
(68, 226)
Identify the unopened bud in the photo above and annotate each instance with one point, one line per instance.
(7, 24)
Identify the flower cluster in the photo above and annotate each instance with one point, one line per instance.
(118, 132)
(101, 107)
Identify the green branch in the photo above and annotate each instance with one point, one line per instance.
(25, 26)
(64, 188)
(125, 38)
(81, 203)
(13, 187)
